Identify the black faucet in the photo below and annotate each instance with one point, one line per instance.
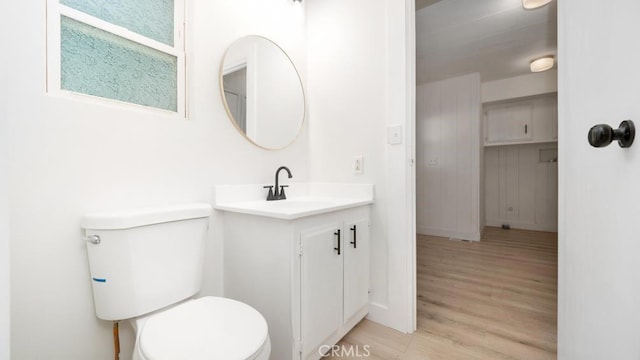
(278, 194)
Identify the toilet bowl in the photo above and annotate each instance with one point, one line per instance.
(146, 265)
(203, 329)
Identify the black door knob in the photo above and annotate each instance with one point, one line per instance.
(603, 134)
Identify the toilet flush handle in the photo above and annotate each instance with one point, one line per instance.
(94, 239)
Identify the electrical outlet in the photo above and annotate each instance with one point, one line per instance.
(358, 165)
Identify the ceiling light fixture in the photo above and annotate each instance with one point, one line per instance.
(542, 64)
(300, 1)
(534, 4)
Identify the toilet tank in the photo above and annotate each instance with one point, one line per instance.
(145, 259)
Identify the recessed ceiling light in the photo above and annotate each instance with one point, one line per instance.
(542, 64)
(534, 4)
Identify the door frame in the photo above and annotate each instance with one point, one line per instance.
(411, 231)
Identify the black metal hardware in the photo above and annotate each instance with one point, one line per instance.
(338, 248)
(602, 135)
(270, 195)
(278, 194)
(282, 195)
(526, 128)
(354, 229)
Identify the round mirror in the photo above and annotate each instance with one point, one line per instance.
(262, 92)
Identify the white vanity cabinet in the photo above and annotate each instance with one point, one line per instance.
(308, 276)
(334, 271)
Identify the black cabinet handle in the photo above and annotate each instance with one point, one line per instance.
(526, 128)
(337, 248)
(354, 229)
(603, 134)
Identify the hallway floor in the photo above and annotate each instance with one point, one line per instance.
(493, 299)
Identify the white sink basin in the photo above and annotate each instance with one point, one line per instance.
(299, 204)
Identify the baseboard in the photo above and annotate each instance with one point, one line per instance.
(381, 314)
(462, 235)
(522, 225)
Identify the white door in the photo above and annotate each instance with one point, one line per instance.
(356, 267)
(599, 203)
(321, 279)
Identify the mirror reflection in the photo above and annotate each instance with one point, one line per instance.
(262, 92)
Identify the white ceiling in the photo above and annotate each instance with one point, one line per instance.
(497, 38)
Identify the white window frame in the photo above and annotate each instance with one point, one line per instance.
(55, 11)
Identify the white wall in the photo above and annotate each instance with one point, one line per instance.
(520, 188)
(449, 156)
(520, 86)
(73, 156)
(4, 242)
(357, 85)
(4, 196)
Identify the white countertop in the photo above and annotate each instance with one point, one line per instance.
(302, 199)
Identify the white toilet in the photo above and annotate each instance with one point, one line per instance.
(145, 265)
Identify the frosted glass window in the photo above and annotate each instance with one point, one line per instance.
(96, 62)
(127, 50)
(150, 18)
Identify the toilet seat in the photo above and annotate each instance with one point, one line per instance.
(205, 328)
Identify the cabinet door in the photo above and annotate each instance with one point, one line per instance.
(509, 124)
(356, 267)
(544, 119)
(321, 285)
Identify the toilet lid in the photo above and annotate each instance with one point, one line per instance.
(206, 328)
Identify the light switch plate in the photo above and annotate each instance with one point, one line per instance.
(394, 134)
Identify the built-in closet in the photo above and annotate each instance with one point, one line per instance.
(521, 163)
(486, 163)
